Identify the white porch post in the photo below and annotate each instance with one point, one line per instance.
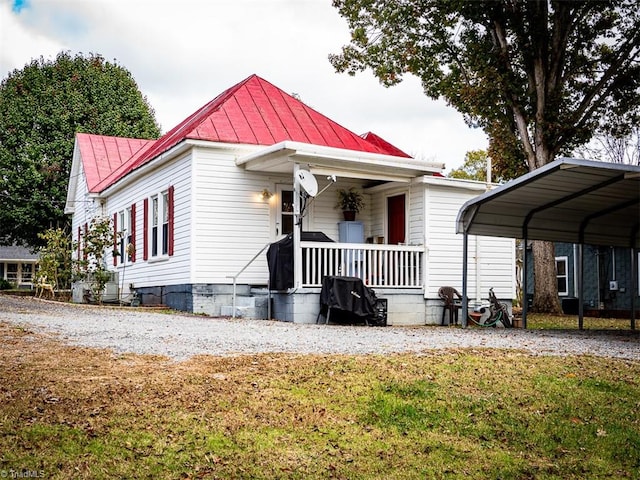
(297, 227)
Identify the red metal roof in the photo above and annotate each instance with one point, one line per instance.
(253, 112)
(101, 155)
(386, 146)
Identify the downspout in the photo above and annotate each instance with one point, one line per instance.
(478, 272)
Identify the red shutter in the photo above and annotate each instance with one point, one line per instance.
(84, 247)
(171, 210)
(145, 229)
(79, 243)
(133, 232)
(115, 238)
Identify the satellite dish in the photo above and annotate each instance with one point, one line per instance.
(308, 182)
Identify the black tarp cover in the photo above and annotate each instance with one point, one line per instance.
(280, 259)
(349, 294)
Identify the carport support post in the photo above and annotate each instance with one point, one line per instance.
(525, 282)
(465, 298)
(634, 285)
(580, 286)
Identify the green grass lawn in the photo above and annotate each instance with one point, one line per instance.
(71, 412)
(570, 322)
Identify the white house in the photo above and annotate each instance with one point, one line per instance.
(201, 205)
(18, 265)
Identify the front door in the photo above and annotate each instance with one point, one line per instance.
(396, 220)
(284, 219)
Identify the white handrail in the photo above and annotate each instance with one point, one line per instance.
(235, 277)
(378, 265)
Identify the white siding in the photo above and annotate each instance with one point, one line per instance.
(233, 223)
(221, 222)
(230, 219)
(491, 260)
(85, 208)
(166, 270)
(324, 217)
(413, 201)
(416, 200)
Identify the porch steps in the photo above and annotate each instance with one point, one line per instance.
(252, 305)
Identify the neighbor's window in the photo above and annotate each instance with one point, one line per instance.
(27, 272)
(12, 272)
(562, 276)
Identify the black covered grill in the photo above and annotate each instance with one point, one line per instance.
(280, 259)
(348, 299)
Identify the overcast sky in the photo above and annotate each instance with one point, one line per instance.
(184, 53)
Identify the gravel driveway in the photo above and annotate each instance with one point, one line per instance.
(180, 336)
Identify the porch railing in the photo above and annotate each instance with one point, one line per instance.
(389, 266)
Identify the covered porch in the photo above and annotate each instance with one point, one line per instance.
(398, 269)
(377, 263)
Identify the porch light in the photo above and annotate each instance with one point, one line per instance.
(266, 194)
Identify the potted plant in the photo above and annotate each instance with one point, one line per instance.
(350, 201)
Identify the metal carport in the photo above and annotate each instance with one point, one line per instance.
(569, 200)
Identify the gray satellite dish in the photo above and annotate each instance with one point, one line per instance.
(308, 182)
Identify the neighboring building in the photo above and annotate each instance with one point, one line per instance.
(18, 266)
(608, 285)
(608, 282)
(196, 206)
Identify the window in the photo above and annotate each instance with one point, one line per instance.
(562, 275)
(124, 225)
(122, 236)
(154, 226)
(158, 217)
(286, 212)
(12, 272)
(165, 223)
(27, 272)
(130, 232)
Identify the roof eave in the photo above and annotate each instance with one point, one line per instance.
(69, 206)
(280, 158)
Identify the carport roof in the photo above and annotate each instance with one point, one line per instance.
(569, 200)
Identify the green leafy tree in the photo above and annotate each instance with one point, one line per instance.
(540, 77)
(98, 248)
(42, 107)
(55, 257)
(473, 168)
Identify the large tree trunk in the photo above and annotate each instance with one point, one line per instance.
(545, 298)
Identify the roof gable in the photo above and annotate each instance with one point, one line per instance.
(102, 155)
(252, 112)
